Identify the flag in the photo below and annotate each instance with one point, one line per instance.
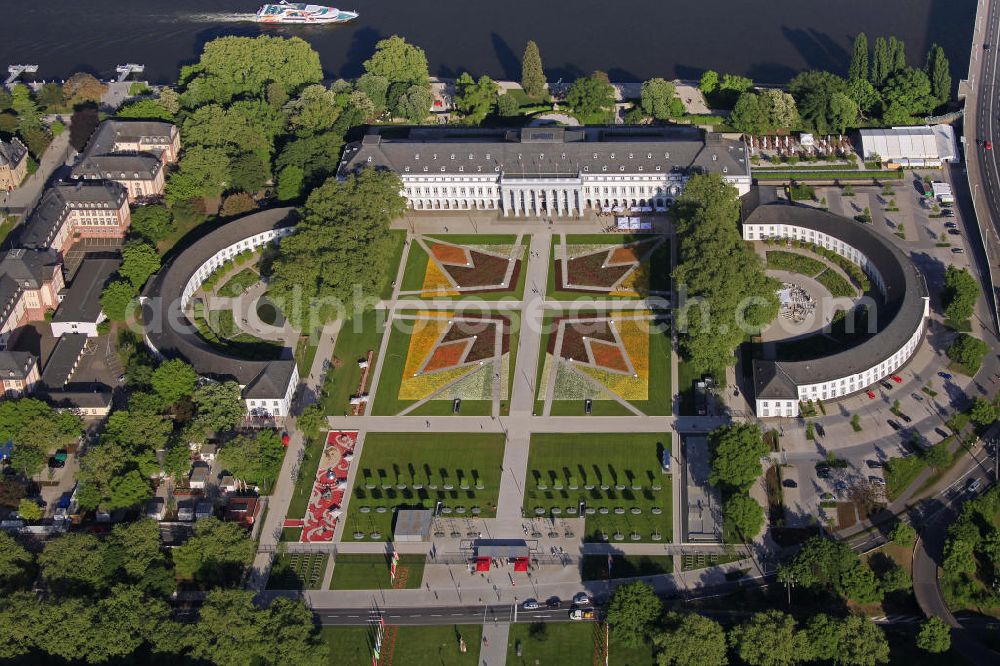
(392, 566)
(611, 561)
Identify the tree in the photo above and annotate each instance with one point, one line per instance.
(153, 222)
(116, 298)
(968, 352)
(36, 138)
(201, 172)
(769, 638)
(135, 549)
(290, 183)
(375, 86)
(233, 67)
(764, 112)
(742, 518)
(864, 95)
(50, 96)
(722, 285)
(237, 204)
(632, 611)
(256, 460)
(690, 638)
(173, 380)
(340, 254)
(220, 406)
(895, 579)
(317, 156)
(709, 82)
(861, 643)
(475, 99)
(910, 90)
(15, 562)
(734, 455)
(658, 98)
(960, 294)
(398, 61)
(415, 104)
(36, 430)
(939, 72)
(29, 510)
(82, 87)
(859, 59)
(843, 112)
(903, 534)
(731, 87)
(532, 75)
(145, 109)
(822, 100)
(934, 636)
(859, 583)
(314, 110)
(75, 563)
(216, 554)
(591, 95)
(821, 562)
(248, 172)
(823, 632)
(983, 412)
(897, 56)
(139, 261)
(246, 126)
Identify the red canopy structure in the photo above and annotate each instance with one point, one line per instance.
(521, 564)
(482, 564)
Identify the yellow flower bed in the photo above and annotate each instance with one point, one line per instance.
(635, 283)
(634, 334)
(421, 386)
(426, 333)
(436, 282)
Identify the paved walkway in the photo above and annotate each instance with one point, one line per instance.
(494, 649)
(24, 198)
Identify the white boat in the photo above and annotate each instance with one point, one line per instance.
(300, 12)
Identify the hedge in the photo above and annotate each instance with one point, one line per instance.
(824, 175)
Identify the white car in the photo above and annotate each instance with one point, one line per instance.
(974, 485)
(581, 599)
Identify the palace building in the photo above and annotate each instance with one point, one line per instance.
(551, 171)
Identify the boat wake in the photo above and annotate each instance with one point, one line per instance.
(220, 17)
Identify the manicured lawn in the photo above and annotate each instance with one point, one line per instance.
(6, 225)
(371, 572)
(416, 269)
(703, 560)
(297, 571)
(239, 283)
(356, 337)
(398, 238)
(595, 567)
(793, 262)
(549, 644)
(417, 260)
(305, 353)
(312, 452)
(658, 265)
(610, 471)
(900, 473)
(836, 284)
(435, 645)
(456, 469)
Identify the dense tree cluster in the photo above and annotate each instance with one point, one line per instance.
(35, 431)
(591, 97)
(474, 100)
(735, 452)
(971, 549)
(724, 291)
(658, 99)
(338, 258)
(968, 352)
(961, 290)
(832, 566)
(768, 638)
(764, 112)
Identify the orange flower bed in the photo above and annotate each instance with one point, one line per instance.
(446, 356)
(608, 356)
(450, 254)
(625, 255)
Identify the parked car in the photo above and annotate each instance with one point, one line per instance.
(789, 483)
(950, 225)
(954, 232)
(905, 418)
(894, 424)
(530, 604)
(581, 599)
(973, 485)
(896, 378)
(871, 394)
(948, 212)
(877, 480)
(886, 385)
(553, 602)
(581, 614)
(917, 397)
(944, 375)
(957, 250)
(874, 464)
(823, 472)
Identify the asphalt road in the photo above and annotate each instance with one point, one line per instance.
(478, 614)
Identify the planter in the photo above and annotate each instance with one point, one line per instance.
(636, 511)
(619, 511)
(365, 509)
(603, 511)
(656, 511)
(380, 509)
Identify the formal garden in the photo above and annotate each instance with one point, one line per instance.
(297, 571)
(435, 358)
(453, 265)
(614, 480)
(794, 262)
(612, 360)
(458, 471)
(609, 267)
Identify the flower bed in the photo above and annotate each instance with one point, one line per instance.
(450, 254)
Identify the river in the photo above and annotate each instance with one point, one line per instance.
(768, 40)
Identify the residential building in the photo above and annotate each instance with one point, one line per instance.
(80, 310)
(60, 387)
(30, 282)
(549, 171)
(19, 371)
(131, 153)
(140, 175)
(69, 212)
(13, 164)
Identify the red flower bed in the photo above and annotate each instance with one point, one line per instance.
(446, 356)
(576, 331)
(608, 356)
(589, 270)
(449, 254)
(486, 271)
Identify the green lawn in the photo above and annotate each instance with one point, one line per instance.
(416, 269)
(548, 644)
(836, 284)
(610, 471)
(431, 467)
(703, 560)
(305, 353)
(436, 645)
(398, 238)
(793, 262)
(356, 337)
(238, 283)
(900, 473)
(659, 265)
(297, 571)
(595, 567)
(312, 452)
(6, 225)
(371, 572)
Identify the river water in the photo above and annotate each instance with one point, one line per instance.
(768, 40)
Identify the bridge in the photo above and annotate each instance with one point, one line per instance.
(16, 71)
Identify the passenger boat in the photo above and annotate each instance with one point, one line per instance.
(300, 12)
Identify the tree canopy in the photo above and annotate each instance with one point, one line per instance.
(532, 75)
(398, 61)
(734, 455)
(139, 261)
(339, 255)
(690, 638)
(823, 101)
(961, 291)
(968, 351)
(934, 636)
(474, 100)
(254, 459)
(939, 72)
(658, 99)
(764, 112)
(633, 610)
(769, 638)
(591, 95)
(216, 554)
(36, 430)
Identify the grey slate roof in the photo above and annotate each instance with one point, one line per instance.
(41, 226)
(96, 398)
(124, 166)
(83, 299)
(272, 381)
(546, 151)
(62, 361)
(29, 268)
(12, 152)
(111, 132)
(899, 315)
(16, 364)
(173, 335)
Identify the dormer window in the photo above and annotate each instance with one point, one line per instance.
(442, 169)
(417, 156)
(725, 169)
(649, 156)
(369, 159)
(461, 169)
(541, 156)
(425, 169)
(630, 155)
(487, 156)
(470, 156)
(586, 168)
(715, 158)
(595, 156)
(407, 169)
(453, 156)
(666, 155)
(657, 167)
(434, 156)
(640, 168)
(612, 156)
(621, 168)
(604, 168)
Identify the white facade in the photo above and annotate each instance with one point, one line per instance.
(88, 328)
(547, 195)
(274, 407)
(839, 386)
